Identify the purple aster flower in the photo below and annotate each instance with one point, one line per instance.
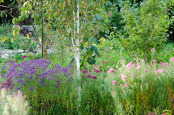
(2, 75)
(58, 81)
(15, 77)
(71, 66)
(32, 88)
(4, 67)
(23, 84)
(69, 79)
(38, 75)
(20, 81)
(42, 84)
(65, 69)
(18, 88)
(64, 74)
(56, 86)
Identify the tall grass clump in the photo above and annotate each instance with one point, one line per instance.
(141, 88)
(13, 104)
(95, 96)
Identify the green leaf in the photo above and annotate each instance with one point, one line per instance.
(94, 56)
(1, 14)
(91, 48)
(93, 61)
(72, 59)
(89, 60)
(96, 50)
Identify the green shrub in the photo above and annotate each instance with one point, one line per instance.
(145, 27)
(10, 39)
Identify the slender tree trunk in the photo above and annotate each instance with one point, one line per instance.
(42, 31)
(78, 53)
(44, 44)
(76, 48)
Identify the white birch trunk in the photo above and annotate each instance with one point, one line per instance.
(78, 52)
(76, 45)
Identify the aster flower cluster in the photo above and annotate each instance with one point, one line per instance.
(37, 71)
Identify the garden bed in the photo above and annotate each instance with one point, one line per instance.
(133, 88)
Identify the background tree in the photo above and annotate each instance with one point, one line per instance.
(8, 10)
(145, 27)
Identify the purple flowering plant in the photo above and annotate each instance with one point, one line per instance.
(36, 77)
